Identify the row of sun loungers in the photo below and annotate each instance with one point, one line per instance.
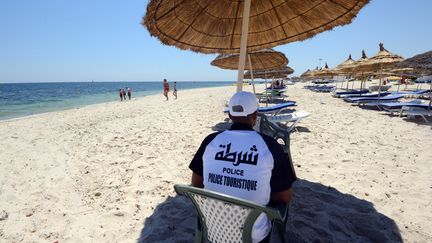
(321, 88)
(389, 102)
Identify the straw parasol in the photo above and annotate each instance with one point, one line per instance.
(326, 72)
(349, 67)
(383, 59)
(346, 64)
(306, 74)
(343, 68)
(238, 26)
(273, 73)
(259, 60)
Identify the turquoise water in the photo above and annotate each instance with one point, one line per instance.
(23, 99)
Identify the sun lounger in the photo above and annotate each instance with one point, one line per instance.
(372, 94)
(397, 106)
(363, 100)
(322, 88)
(275, 109)
(412, 112)
(269, 96)
(293, 118)
(419, 92)
(351, 92)
(377, 87)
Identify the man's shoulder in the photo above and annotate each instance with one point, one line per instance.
(211, 136)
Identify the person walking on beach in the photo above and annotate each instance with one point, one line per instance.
(175, 90)
(166, 88)
(129, 92)
(121, 94)
(241, 154)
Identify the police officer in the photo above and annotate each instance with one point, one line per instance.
(244, 163)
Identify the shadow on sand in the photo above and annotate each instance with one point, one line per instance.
(317, 214)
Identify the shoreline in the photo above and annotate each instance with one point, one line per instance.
(140, 95)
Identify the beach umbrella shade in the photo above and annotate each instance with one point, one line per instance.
(306, 75)
(326, 72)
(273, 73)
(347, 62)
(352, 67)
(223, 26)
(312, 73)
(343, 68)
(257, 60)
(383, 59)
(339, 69)
(265, 59)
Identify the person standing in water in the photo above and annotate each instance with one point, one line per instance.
(124, 94)
(129, 92)
(166, 88)
(121, 94)
(175, 90)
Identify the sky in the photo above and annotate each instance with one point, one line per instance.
(103, 40)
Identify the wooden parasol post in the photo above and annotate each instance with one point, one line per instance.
(243, 44)
(251, 71)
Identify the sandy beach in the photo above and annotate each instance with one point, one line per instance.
(105, 172)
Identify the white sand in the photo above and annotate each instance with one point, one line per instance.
(98, 173)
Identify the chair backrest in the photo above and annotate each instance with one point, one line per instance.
(273, 130)
(225, 218)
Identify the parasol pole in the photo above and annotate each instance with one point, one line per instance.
(251, 71)
(348, 83)
(430, 96)
(265, 83)
(400, 81)
(379, 85)
(243, 44)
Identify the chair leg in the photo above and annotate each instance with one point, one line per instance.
(281, 231)
(198, 232)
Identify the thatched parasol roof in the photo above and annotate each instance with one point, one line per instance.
(351, 67)
(422, 63)
(383, 59)
(339, 69)
(215, 26)
(312, 73)
(261, 60)
(326, 72)
(274, 73)
(306, 74)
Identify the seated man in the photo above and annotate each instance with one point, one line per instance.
(244, 163)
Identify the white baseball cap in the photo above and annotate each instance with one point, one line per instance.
(243, 104)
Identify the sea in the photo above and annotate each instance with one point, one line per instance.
(24, 99)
